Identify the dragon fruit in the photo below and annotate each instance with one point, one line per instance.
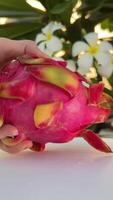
(46, 102)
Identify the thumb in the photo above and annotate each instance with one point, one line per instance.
(10, 49)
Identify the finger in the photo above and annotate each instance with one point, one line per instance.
(10, 49)
(28, 47)
(8, 130)
(17, 148)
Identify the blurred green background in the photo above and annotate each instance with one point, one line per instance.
(24, 18)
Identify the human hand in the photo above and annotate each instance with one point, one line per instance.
(11, 49)
(10, 133)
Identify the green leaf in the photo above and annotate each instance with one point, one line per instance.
(49, 4)
(18, 30)
(23, 18)
(29, 35)
(15, 5)
(107, 24)
(60, 8)
(15, 13)
(94, 2)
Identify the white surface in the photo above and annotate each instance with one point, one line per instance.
(72, 171)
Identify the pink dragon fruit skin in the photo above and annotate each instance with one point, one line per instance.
(48, 103)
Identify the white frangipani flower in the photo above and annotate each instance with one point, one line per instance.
(107, 69)
(71, 65)
(47, 41)
(87, 51)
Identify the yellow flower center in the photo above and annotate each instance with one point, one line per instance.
(93, 49)
(49, 35)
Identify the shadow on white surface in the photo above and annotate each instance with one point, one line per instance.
(63, 172)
